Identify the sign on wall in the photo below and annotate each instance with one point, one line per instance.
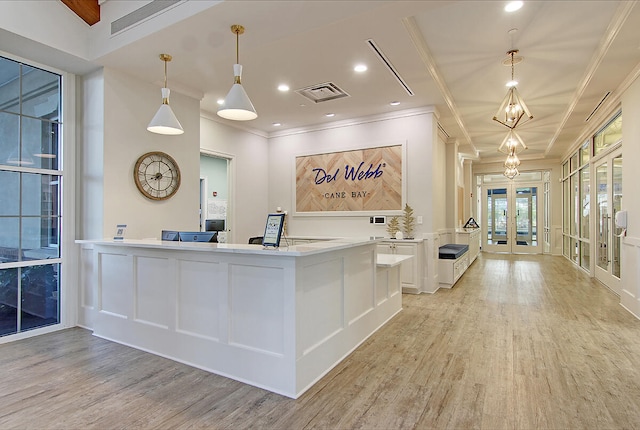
(368, 180)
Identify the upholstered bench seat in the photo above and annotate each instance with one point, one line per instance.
(452, 251)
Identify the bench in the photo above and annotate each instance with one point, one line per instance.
(453, 260)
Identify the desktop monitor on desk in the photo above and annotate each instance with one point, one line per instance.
(198, 236)
(171, 235)
(214, 225)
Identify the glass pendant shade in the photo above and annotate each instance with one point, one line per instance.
(511, 172)
(237, 105)
(513, 110)
(512, 161)
(165, 121)
(512, 143)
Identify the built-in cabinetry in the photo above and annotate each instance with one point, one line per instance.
(410, 270)
(449, 271)
(472, 238)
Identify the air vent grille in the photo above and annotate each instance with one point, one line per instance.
(595, 109)
(322, 92)
(141, 14)
(389, 66)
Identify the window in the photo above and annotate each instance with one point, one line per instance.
(608, 136)
(31, 178)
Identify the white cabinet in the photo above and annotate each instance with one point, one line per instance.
(449, 271)
(411, 269)
(472, 238)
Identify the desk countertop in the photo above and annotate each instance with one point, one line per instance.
(291, 251)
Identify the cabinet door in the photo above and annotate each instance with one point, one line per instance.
(384, 248)
(408, 272)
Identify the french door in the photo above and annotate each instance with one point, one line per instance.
(510, 214)
(608, 189)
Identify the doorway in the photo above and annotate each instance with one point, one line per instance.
(608, 190)
(216, 191)
(511, 217)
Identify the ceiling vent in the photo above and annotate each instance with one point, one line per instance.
(141, 14)
(595, 109)
(322, 92)
(388, 65)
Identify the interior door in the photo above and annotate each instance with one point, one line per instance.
(511, 213)
(495, 230)
(608, 188)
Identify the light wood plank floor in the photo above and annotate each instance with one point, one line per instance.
(521, 342)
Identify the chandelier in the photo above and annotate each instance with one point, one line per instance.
(513, 110)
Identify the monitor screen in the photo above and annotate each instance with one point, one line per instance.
(198, 236)
(170, 235)
(273, 230)
(214, 225)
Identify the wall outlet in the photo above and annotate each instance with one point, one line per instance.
(419, 219)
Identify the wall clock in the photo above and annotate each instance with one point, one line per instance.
(157, 175)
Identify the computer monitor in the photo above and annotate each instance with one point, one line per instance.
(214, 225)
(170, 235)
(273, 230)
(198, 236)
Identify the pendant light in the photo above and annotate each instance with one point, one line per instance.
(165, 121)
(513, 110)
(237, 105)
(511, 145)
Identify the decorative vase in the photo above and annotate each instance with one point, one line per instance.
(399, 235)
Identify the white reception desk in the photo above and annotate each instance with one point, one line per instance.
(277, 319)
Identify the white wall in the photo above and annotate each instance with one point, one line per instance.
(89, 165)
(48, 22)
(417, 129)
(249, 169)
(630, 277)
(128, 106)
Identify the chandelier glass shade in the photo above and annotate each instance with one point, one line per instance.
(165, 121)
(511, 172)
(237, 106)
(512, 143)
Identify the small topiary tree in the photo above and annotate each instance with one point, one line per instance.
(408, 222)
(393, 226)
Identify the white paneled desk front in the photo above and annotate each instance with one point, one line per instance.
(278, 319)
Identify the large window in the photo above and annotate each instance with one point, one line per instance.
(582, 183)
(30, 196)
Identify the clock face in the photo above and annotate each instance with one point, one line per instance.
(157, 175)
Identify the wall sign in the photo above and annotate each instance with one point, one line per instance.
(362, 180)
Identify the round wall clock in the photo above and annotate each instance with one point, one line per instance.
(157, 175)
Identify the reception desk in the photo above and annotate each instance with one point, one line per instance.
(278, 319)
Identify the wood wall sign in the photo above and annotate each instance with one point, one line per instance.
(362, 180)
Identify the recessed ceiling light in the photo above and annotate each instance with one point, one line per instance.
(360, 68)
(283, 87)
(220, 101)
(329, 114)
(276, 124)
(513, 6)
(394, 103)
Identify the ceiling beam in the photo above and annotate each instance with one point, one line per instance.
(88, 10)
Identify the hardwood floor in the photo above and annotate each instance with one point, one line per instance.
(521, 342)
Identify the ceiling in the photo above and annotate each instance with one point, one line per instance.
(449, 53)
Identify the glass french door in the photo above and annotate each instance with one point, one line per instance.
(609, 202)
(510, 214)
